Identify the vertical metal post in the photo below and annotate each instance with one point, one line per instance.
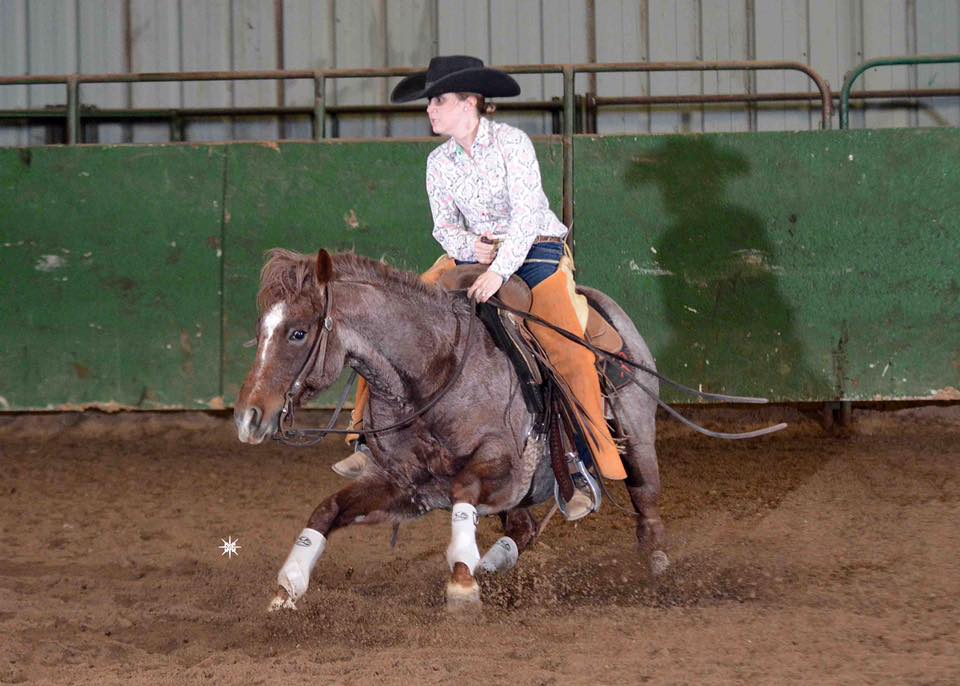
(73, 110)
(319, 106)
(569, 113)
(555, 117)
(177, 129)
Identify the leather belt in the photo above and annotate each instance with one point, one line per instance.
(548, 239)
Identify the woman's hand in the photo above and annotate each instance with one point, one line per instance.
(486, 248)
(486, 285)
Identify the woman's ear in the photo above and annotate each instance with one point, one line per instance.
(324, 266)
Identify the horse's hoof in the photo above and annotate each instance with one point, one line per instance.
(462, 597)
(281, 601)
(659, 562)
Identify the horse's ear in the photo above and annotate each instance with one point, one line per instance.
(324, 266)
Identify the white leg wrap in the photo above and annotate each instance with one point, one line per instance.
(463, 542)
(502, 556)
(294, 576)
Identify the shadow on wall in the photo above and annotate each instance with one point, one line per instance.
(720, 292)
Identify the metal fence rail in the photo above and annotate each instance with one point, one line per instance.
(901, 60)
(589, 103)
(320, 77)
(567, 109)
(74, 111)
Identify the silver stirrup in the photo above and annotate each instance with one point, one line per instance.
(582, 480)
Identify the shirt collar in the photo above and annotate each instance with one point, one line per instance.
(484, 138)
(484, 134)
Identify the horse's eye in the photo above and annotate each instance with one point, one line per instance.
(298, 335)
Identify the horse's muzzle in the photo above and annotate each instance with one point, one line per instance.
(251, 425)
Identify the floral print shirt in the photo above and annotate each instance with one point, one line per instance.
(496, 189)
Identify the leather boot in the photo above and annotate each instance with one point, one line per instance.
(578, 507)
(553, 301)
(352, 467)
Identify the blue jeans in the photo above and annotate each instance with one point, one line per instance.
(534, 272)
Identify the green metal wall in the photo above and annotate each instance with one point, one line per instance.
(110, 276)
(116, 263)
(800, 266)
(807, 266)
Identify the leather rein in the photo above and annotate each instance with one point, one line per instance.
(286, 433)
(639, 366)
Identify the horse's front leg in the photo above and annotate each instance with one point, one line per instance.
(367, 501)
(520, 530)
(478, 483)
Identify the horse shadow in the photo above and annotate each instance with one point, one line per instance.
(731, 328)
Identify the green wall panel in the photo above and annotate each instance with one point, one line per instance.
(366, 197)
(109, 276)
(807, 266)
(800, 266)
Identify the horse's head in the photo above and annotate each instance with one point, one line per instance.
(293, 300)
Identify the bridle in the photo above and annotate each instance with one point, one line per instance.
(286, 433)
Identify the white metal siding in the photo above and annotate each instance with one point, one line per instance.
(155, 33)
(100, 43)
(57, 54)
(309, 43)
(60, 36)
(13, 62)
(207, 46)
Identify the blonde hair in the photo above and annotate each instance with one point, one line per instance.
(483, 107)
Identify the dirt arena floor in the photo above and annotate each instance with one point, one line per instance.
(804, 557)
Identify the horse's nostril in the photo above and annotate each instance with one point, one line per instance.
(254, 415)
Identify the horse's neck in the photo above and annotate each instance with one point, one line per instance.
(404, 348)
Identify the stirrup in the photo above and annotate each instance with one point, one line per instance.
(583, 482)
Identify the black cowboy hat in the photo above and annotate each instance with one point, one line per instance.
(455, 74)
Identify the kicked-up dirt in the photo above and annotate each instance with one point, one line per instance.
(803, 557)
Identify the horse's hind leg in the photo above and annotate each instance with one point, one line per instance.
(635, 409)
(365, 501)
(643, 484)
(636, 413)
(520, 530)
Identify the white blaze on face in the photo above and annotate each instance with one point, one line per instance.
(273, 320)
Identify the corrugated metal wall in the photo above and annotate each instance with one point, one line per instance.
(61, 36)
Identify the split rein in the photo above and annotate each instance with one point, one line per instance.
(286, 433)
(719, 397)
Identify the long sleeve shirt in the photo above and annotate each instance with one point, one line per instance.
(496, 189)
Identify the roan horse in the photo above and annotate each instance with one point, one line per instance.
(472, 452)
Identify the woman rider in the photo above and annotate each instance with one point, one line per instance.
(489, 206)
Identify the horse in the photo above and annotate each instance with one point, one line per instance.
(472, 451)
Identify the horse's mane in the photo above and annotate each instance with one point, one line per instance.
(287, 275)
